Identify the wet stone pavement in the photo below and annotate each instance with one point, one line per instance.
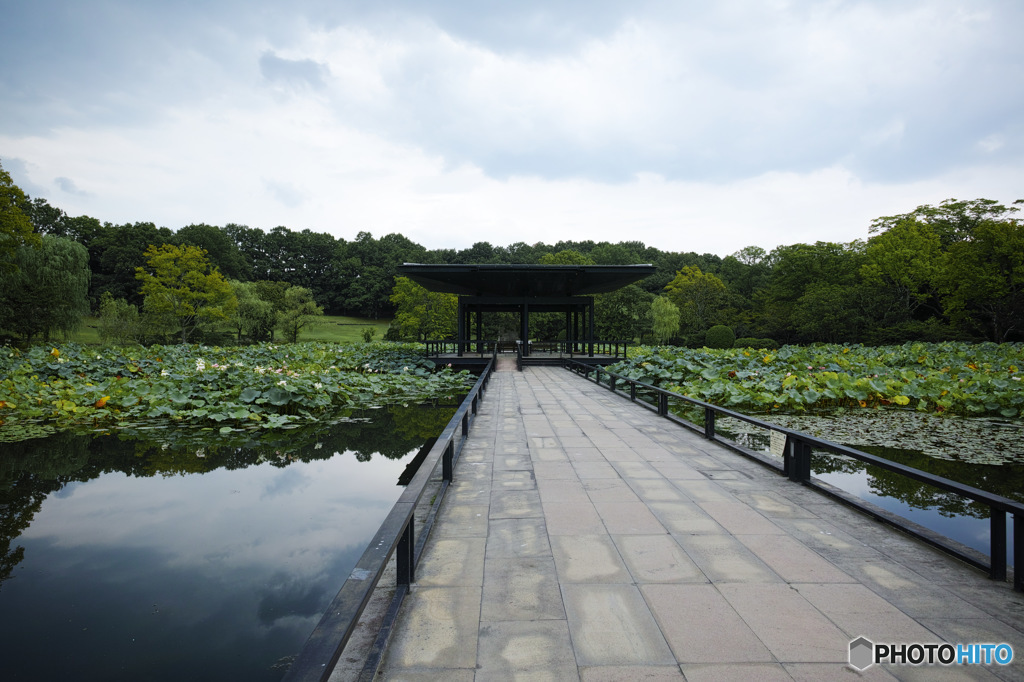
(586, 538)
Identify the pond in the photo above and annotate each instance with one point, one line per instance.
(167, 554)
(983, 453)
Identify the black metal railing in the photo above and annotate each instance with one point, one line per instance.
(797, 466)
(571, 349)
(396, 536)
(480, 347)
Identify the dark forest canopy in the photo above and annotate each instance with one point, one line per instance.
(952, 271)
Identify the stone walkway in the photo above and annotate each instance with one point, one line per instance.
(586, 538)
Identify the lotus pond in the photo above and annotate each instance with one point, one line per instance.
(951, 409)
(187, 512)
(166, 554)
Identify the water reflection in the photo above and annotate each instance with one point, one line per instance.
(950, 514)
(169, 554)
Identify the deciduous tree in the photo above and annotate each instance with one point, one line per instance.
(423, 314)
(119, 320)
(299, 312)
(15, 225)
(982, 280)
(182, 290)
(699, 296)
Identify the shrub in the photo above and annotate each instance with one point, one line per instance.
(720, 336)
(751, 342)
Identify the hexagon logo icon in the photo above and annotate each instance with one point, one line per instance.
(862, 653)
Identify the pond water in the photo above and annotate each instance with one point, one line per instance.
(982, 453)
(166, 554)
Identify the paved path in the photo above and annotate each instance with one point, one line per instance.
(586, 538)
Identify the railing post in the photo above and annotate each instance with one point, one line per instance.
(465, 424)
(798, 464)
(611, 383)
(405, 559)
(663, 404)
(446, 461)
(709, 423)
(632, 391)
(997, 544)
(1018, 552)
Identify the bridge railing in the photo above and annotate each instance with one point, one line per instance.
(437, 347)
(580, 348)
(797, 466)
(396, 536)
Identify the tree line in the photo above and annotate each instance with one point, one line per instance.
(951, 271)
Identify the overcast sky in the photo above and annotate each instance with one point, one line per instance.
(690, 126)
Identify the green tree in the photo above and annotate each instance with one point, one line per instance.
(47, 289)
(255, 317)
(699, 296)
(665, 316)
(15, 225)
(566, 257)
(117, 252)
(826, 312)
(794, 269)
(982, 280)
(119, 320)
(952, 220)
(905, 260)
(183, 291)
(299, 312)
(422, 314)
(624, 314)
(221, 250)
(367, 268)
(614, 254)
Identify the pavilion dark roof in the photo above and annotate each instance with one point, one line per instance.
(524, 281)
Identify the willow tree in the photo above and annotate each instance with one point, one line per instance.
(183, 291)
(665, 316)
(47, 289)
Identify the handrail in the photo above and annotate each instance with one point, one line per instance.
(797, 466)
(322, 650)
(435, 347)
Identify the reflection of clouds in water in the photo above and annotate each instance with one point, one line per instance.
(162, 572)
(297, 517)
(156, 618)
(68, 490)
(285, 483)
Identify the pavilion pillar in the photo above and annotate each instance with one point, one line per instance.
(591, 331)
(577, 327)
(460, 333)
(479, 330)
(568, 330)
(524, 327)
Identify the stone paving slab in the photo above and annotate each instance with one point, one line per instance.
(587, 539)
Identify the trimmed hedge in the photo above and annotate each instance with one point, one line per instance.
(751, 342)
(720, 336)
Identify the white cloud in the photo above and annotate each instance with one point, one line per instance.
(703, 129)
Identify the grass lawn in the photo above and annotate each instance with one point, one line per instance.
(332, 328)
(340, 329)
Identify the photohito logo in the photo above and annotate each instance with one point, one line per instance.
(864, 653)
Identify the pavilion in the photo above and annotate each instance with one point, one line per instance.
(526, 289)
